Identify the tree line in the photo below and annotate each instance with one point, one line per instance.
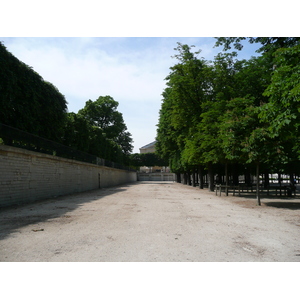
(36, 106)
(231, 116)
(147, 159)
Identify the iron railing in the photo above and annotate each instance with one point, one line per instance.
(17, 138)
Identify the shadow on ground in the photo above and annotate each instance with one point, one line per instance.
(271, 200)
(14, 218)
(155, 182)
(286, 205)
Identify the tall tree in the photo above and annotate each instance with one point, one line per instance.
(282, 112)
(283, 109)
(103, 114)
(230, 111)
(203, 144)
(187, 88)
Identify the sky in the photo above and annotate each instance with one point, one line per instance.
(124, 49)
(132, 70)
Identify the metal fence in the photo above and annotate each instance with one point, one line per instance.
(17, 138)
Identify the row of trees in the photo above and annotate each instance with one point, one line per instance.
(242, 113)
(147, 159)
(99, 129)
(30, 103)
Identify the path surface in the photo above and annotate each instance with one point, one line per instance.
(151, 221)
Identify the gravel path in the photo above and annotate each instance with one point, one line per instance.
(148, 222)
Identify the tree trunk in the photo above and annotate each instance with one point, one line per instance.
(193, 178)
(235, 174)
(279, 181)
(292, 180)
(210, 177)
(226, 178)
(184, 178)
(248, 178)
(267, 179)
(196, 177)
(200, 174)
(257, 184)
(292, 187)
(189, 182)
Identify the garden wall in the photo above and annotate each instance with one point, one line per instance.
(27, 176)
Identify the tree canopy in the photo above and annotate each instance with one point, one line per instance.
(27, 101)
(147, 159)
(103, 114)
(230, 111)
(268, 44)
(36, 106)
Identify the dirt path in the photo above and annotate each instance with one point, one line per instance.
(151, 221)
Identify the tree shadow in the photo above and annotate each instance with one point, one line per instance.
(155, 182)
(286, 205)
(12, 219)
(271, 200)
(286, 202)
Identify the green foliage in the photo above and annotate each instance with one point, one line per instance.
(30, 103)
(268, 44)
(135, 160)
(252, 78)
(103, 114)
(237, 123)
(77, 132)
(282, 112)
(232, 111)
(81, 135)
(27, 101)
(283, 109)
(207, 134)
(166, 141)
(147, 159)
(188, 86)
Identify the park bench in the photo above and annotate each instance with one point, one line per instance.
(247, 187)
(287, 190)
(227, 189)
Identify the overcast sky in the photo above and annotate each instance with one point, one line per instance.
(131, 70)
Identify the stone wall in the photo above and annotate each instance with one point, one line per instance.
(161, 176)
(27, 176)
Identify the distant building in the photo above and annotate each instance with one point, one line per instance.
(149, 148)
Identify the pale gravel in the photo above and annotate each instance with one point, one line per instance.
(151, 222)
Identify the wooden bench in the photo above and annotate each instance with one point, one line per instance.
(240, 188)
(226, 189)
(287, 190)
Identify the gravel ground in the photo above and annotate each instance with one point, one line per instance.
(151, 222)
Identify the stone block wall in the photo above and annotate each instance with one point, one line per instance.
(27, 176)
(161, 176)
